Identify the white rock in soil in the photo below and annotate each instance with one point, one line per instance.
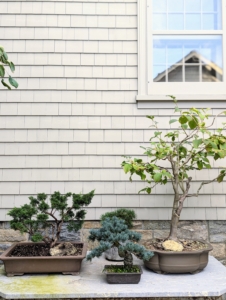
(63, 249)
(172, 246)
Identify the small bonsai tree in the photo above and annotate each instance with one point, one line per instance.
(128, 215)
(3, 63)
(113, 233)
(32, 218)
(192, 146)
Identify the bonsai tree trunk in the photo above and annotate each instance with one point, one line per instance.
(177, 206)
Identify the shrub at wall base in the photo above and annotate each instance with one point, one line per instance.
(173, 155)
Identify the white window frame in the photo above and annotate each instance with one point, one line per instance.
(155, 91)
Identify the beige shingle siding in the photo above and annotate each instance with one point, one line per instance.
(75, 115)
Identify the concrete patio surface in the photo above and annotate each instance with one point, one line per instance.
(91, 283)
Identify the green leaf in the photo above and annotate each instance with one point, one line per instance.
(5, 55)
(157, 133)
(173, 121)
(143, 190)
(220, 177)
(5, 84)
(157, 177)
(183, 119)
(197, 143)
(13, 82)
(184, 126)
(11, 65)
(200, 165)
(192, 124)
(2, 71)
(150, 117)
(127, 168)
(148, 190)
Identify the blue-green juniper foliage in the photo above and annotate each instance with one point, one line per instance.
(42, 213)
(115, 233)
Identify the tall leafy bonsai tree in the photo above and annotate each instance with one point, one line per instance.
(115, 233)
(4, 62)
(192, 146)
(42, 214)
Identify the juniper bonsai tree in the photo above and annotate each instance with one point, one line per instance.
(192, 146)
(128, 215)
(42, 214)
(114, 233)
(4, 62)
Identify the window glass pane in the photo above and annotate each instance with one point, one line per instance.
(159, 22)
(192, 5)
(159, 55)
(159, 5)
(191, 51)
(175, 5)
(193, 21)
(210, 74)
(175, 73)
(159, 73)
(198, 14)
(192, 73)
(174, 54)
(175, 21)
(210, 22)
(211, 5)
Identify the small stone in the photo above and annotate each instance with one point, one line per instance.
(172, 246)
(63, 249)
(11, 235)
(137, 225)
(91, 225)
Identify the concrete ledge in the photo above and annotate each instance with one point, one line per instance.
(91, 283)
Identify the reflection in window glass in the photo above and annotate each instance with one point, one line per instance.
(211, 5)
(159, 22)
(175, 73)
(191, 53)
(192, 21)
(175, 22)
(187, 14)
(210, 21)
(192, 73)
(192, 5)
(159, 5)
(175, 5)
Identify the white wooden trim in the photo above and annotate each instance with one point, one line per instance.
(142, 46)
(149, 90)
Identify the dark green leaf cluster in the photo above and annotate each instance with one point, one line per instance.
(42, 213)
(128, 215)
(5, 62)
(115, 233)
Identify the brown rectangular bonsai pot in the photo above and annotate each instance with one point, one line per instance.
(123, 278)
(42, 264)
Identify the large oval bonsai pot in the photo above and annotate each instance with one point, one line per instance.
(42, 264)
(193, 262)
